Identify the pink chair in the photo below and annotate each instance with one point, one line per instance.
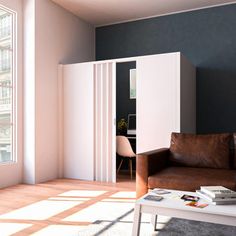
(124, 149)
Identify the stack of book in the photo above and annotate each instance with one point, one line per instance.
(217, 195)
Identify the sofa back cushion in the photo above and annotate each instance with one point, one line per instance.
(206, 151)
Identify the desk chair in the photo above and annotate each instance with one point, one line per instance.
(124, 149)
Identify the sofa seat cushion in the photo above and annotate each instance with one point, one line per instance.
(190, 179)
(204, 151)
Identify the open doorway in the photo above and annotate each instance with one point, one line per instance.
(126, 120)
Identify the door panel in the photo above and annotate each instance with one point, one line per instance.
(78, 121)
(157, 101)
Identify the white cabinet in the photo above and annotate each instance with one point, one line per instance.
(166, 102)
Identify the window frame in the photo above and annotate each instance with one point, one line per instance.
(13, 72)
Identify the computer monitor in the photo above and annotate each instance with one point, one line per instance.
(131, 124)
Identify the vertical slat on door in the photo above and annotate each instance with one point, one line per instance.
(98, 130)
(95, 156)
(104, 124)
(104, 127)
(112, 89)
(101, 122)
(109, 122)
(111, 157)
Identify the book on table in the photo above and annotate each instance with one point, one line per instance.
(153, 198)
(217, 200)
(218, 192)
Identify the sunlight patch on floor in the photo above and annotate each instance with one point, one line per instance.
(59, 230)
(121, 227)
(40, 210)
(118, 200)
(110, 216)
(124, 194)
(82, 193)
(7, 229)
(101, 211)
(162, 221)
(69, 198)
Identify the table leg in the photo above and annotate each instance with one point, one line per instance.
(137, 219)
(154, 222)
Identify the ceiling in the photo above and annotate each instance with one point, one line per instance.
(104, 12)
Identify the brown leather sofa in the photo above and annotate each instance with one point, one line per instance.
(190, 162)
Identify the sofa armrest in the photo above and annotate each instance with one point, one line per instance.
(147, 164)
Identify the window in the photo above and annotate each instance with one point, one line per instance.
(7, 82)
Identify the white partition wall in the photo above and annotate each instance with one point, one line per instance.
(78, 112)
(165, 103)
(104, 106)
(88, 121)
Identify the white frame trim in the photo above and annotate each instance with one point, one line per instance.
(132, 79)
(14, 105)
(12, 172)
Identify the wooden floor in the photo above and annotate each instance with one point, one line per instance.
(16, 198)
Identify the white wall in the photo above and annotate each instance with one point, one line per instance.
(60, 37)
(11, 174)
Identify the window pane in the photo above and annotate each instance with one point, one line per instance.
(5, 118)
(5, 24)
(6, 86)
(5, 59)
(5, 101)
(5, 143)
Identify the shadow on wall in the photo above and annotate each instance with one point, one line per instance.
(216, 94)
(216, 87)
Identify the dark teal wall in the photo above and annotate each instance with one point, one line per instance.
(206, 37)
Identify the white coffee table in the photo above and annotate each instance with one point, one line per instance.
(173, 206)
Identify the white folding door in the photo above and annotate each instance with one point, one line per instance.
(78, 121)
(88, 121)
(165, 103)
(165, 99)
(104, 117)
